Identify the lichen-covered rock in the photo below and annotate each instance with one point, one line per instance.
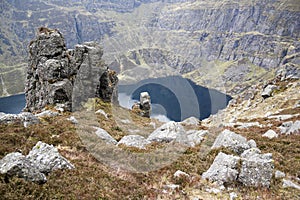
(223, 170)
(134, 141)
(46, 158)
(257, 169)
(16, 164)
(171, 131)
(231, 140)
(105, 136)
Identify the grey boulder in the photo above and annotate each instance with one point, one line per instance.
(134, 141)
(24, 118)
(233, 141)
(16, 164)
(223, 170)
(46, 158)
(105, 136)
(171, 131)
(257, 169)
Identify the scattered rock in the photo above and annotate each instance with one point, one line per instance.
(213, 190)
(134, 141)
(102, 112)
(41, 160)
(73, 120)
(223, 170)
(47, 113)
(16, 164)
(181, 174)
(232, 196)
(191, 121)
(290, 184)
(268, 91)
(270, 134)
(24, 118)
(106, 137)
(46, 158)
(171, 131)
(231, 140)
(290, 127)
(195, 137)
(279, 174)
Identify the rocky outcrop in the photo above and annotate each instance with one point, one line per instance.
(256, 169)
(143, 107)
(41, 160)
(56, 75)
(268, 91)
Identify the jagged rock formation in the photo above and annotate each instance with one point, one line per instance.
(57, 76)
(41, 160)
(143, 107)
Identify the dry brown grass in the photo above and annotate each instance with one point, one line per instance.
(93, 180)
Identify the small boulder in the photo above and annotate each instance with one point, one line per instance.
(290, 127)
(105, 136)
(231, 140)
(191, 121)
(47, 158)
(181, 174)
(102, 112)
(223, 170)
(268, 91)
(47, 113)
(16, 164)
(270, 134)
(134, 141)
(290, 184)
(171, 131)
(279, 174)
(195, 137)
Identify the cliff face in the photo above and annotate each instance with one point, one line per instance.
(166, 37)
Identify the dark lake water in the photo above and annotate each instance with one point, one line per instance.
(175, 98)
(172, 98)
(12, 104)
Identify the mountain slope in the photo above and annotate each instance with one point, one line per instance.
(193, 35)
